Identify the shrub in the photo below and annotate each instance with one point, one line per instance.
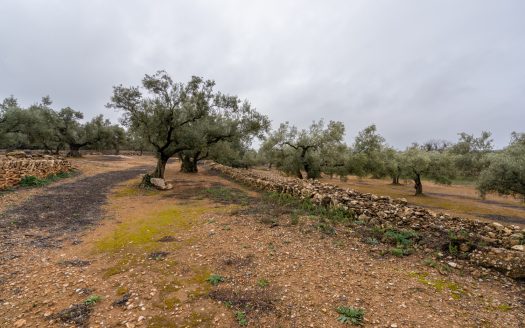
(31, 181)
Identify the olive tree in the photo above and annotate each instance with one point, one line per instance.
(392, 164)
(505, 174)
(32, 127)
(293, 150)
(470, 152)
(418, 164)
(371, 145)
(237, 127)
(177, 117)
(40, 126)
(74, 133)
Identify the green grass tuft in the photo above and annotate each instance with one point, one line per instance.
(215, 279)
(93, 299)
(263, 283)
(32, 181)
(241, 318)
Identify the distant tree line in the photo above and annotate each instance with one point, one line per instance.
(39, 126)
(192, 121)
(320, 150)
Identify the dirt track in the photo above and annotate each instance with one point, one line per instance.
(59, 211)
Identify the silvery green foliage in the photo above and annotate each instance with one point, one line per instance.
(419, 164)
(41, 127)
(185, 118)
(313, 150)
(470, 153)
(505, 174)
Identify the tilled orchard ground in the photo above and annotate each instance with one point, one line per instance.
(149, 263)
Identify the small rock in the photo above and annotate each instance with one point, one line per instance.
(518, 248)
(158, 183)
(20, 323)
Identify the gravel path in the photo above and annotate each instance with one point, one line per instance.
(62, 209)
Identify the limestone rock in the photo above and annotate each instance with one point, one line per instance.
(158, 183)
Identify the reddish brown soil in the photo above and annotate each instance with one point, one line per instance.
(150, 259)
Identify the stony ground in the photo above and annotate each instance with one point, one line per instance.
(457, 199)
(152, 258)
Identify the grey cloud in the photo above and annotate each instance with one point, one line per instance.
(418, 69)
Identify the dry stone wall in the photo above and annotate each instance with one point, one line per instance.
(490, 245)
(16, 165)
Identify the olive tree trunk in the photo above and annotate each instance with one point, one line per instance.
(395, 180)
(418, 185)
(74, 150)
(160, 169)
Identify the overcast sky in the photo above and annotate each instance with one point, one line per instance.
(417, 69)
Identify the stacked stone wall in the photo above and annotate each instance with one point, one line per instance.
(15, 166)
(486, 244)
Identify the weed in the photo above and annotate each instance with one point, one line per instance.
(223, 194)
(453, 249)
(402, 238)
(371, 241)
(241, 318)
(215, 279)
(430, 262)
(32, 181)
(245, 300)
(351, 315)
(338, 243)
(93, 299)
(326, 228)
(436, 265)
(399, 252)
(263, 283)
(306, 206)
(294, 218)
(503, 307)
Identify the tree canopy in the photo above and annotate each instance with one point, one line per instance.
(505, 174)
(294, 150)
(40, 126)
(185, 118)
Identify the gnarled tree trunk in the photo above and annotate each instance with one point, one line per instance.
(161, 166)
(395, 180)
(74, 150)
(418, 185)
(187, 164)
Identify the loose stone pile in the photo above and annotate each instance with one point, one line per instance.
(491, 245)
(16, 165)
